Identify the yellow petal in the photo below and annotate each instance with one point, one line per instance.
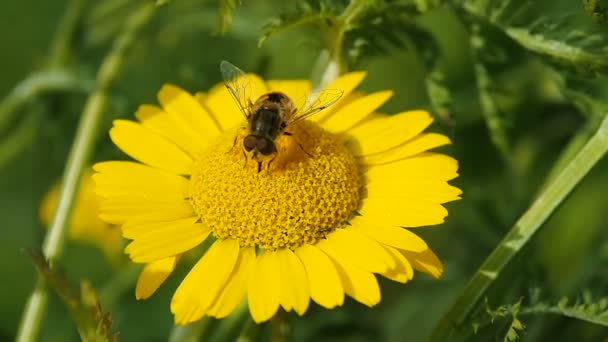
(429, 191)
(223, 106)
(171, 127)
(263, 288)
(421, 143)
(403, 271)
(421, 177)
(424, 166)
(323, 278)
(426, 262)
(153, 241)
(153, 275)
(188, 114)
(349, 115)
(360, 285)
(385, 133)
(404, 213)
(416, 178)
(204, 282)
(371, 117)
(347, 83)
(389, 235)
(85, 224)
(150, 148)
(295, 89)
(358, 249)
(121, 210)
(233, 293)
(123, 178)
(294, 292)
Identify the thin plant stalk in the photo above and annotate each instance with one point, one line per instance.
(52, 76)
(520, 234)
(78, 158)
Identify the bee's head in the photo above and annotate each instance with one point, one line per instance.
(264, 145)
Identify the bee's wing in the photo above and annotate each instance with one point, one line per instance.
(315, 102)
(238, 85)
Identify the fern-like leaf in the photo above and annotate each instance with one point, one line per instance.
(315, 14)
(554, 38)
(585, 309)
(507, 311)
(596, 10)
(84, 307)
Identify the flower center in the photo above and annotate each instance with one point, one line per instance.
(306, 190)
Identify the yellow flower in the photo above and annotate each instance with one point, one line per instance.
(85, 224)
(317, 223)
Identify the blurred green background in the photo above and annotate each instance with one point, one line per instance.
(513, 123)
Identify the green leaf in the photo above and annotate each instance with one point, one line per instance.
(598, 11)
(492, 115)
(225, 13)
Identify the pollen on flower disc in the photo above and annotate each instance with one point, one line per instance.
(308, 190)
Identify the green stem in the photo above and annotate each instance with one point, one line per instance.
(51, 79)
(229, 327)
(78, 158)
(20, 138)
(34, 85)
(121, 282)
(280, 327)
(60, 46)
(521, 233)
(192, 332)
(250, 331)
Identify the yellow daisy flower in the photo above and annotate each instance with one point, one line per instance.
(317, 223)
(85, 224)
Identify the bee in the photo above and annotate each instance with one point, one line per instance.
(269, 116)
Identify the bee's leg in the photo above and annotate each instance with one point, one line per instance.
(270, 161)
(244, 158)
(234, 144)
(302, 148)
(299, 144)
(259, 166)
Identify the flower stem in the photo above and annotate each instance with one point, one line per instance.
(249, 332)
(61, 45)
(51, 78)
(280, 327)
(193, 332)
(521, 233)
(229, 327)
(32, 86)
(78, 158)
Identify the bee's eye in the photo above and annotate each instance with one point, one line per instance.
(265, 146)
(250, 143)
